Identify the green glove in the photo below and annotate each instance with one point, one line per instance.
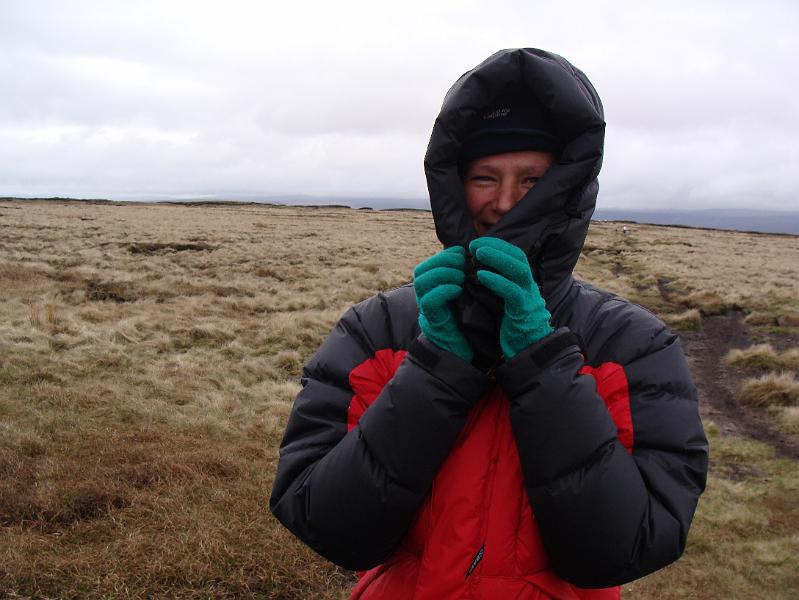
(437, 281)
(526, 318)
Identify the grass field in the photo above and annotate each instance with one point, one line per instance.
(149, 356)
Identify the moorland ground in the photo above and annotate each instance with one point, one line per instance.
(149, 356)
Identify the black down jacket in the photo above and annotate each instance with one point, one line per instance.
(606, 515)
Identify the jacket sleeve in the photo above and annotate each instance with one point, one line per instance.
(606, 515)
(352, 495)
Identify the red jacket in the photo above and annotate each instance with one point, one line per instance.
(477, 513)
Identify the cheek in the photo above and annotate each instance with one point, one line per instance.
(476, 204)
(476, 201)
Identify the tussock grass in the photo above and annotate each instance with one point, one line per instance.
(695, 269)
(708, 302)
(790, 419)
(149, 357)
(760, 318)
(764, 356)
(743, 542)
(789, 319)
(689, 320)
(774, 317)
(773, 389)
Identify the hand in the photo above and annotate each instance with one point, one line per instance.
(437, 281)
(526, 318)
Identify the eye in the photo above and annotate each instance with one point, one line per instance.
(482, 180)
(531, 181)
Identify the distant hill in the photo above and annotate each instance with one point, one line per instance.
(766, 221)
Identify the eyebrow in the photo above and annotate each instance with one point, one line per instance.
(526, 170)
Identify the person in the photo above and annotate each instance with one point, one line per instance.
(498, 429)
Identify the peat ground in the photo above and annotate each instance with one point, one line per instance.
(149, 358)
(717, 381)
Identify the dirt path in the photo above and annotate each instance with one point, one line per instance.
(717, 382)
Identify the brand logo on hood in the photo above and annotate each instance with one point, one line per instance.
(495, 114)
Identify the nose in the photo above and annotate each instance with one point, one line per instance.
(507, 197)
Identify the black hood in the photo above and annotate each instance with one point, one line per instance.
(551, 221)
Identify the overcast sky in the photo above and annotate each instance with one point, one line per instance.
(142, 99)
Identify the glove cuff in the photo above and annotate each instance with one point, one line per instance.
(460, 375)
(517, 373)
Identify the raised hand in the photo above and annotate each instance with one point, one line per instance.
(437, 281)
(526, 318)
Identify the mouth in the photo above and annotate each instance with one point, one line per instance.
(482, 226)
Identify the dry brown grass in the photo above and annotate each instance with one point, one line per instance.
(764, 356)
(777, 390)
(148, 361)
(711, 271)
(743, 542)
(772, 389)
(689, 320)
(773, 318)
(149, 356)
(790, 419)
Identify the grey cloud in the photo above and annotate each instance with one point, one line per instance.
(181, 98)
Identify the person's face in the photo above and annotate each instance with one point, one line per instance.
(494, 184)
